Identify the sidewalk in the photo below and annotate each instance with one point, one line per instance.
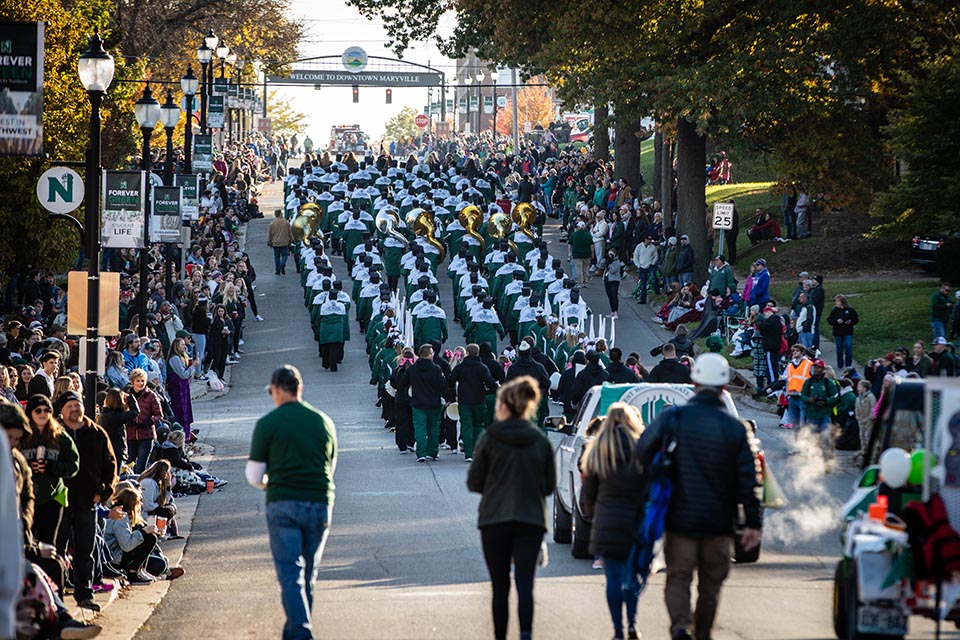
(134, 605)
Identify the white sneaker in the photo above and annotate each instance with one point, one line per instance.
(240, 342)
(204, 378)
(232, 361)
(258, 318)
(146, 577)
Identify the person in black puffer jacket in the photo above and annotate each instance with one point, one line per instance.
(116, 412)
(612, 497)
(473, 381)
(514, 470)
(715, 470)
(496, 370)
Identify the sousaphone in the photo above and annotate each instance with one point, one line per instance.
(471, 218)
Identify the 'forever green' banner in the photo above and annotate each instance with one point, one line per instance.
(124, 197)
(21, 88)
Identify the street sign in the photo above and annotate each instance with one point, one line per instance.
(723, 215)
(422, 121)
(501, 102)
(60, 190)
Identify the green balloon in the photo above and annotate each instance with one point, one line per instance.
(917, 462)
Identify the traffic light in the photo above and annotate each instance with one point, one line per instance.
(356, 93)
(389, 96)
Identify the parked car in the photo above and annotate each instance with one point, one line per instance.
(570, 526)
(923, 249)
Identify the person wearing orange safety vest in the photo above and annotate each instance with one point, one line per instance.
(796, 373)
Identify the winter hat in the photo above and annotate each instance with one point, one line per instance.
(38, 400)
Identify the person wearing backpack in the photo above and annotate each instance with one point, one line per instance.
(715, 469)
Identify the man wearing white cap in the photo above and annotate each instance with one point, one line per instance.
(715, 469)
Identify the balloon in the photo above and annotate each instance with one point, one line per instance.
(917, 462)
(895, 467)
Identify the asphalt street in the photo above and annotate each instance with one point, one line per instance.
(403, 559)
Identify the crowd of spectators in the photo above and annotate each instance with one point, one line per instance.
(97, 493)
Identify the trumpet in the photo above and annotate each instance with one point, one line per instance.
(306, 224)
(471, 218)
(524, 215)
(499, 227)
(387, 222)
(423, 225)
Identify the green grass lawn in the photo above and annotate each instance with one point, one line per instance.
(893, 313)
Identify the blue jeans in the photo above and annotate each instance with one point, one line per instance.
(644, 279)
(844, 351)
(280, 258)
(138, 452)
(939, 329)
(806, 339)
(616, 572)
(686, 278)
(796, 410)
(200, 341)
(298, 534)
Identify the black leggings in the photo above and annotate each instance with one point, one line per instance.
(133, 561)
(520, 543)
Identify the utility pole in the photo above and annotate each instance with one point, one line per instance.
(516, 124)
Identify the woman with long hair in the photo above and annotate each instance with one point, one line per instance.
(513, 470)
(53, 458)
(132, 543)
(219, 340)
(118, 409)
(115, 373)
(612, 495)
(156, 485)
(179, 371)
(25, 375)
(60, 386)
(7, 391)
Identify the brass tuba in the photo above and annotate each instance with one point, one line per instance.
(423, 225)
(306, 224)
(471, 218)
(387, 222)
(499, 227)
(524, 215)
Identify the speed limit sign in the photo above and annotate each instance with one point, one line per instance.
(723, 215)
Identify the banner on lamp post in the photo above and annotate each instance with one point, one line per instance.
(488, 104)
(189, 196)
(220, 86)
(215, 112)
(124, 200)
(203, 151)
(21, 88)
(165, 215)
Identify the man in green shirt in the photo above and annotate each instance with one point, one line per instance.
(293, 456)
(581, 245)
(940, 308)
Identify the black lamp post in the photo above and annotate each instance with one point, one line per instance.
(95, 69)
(147, 112)
(188, 85)
(169, 116)
(204, 55)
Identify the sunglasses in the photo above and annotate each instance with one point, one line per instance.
(41, 410)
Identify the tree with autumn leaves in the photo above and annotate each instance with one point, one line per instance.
(148, 40)
(534, 107)
(809, 82)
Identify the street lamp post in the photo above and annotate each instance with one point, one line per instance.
(204, 55)
(147, 112)
(480, 78)
(468, 79)
(188, 85)
(95, 69)
(496, 108)
(169, 116)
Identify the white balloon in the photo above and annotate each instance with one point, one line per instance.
(895, 467)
